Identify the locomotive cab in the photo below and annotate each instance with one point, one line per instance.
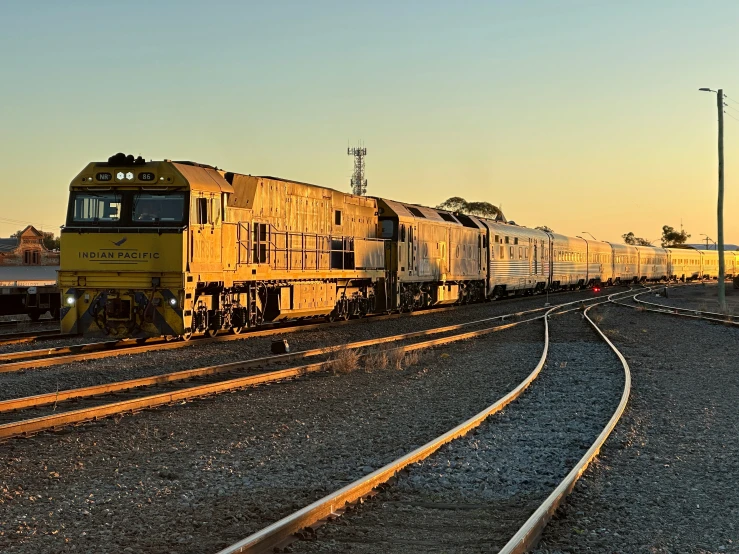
(124, 249)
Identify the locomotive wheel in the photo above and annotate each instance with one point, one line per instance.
(237, 330)
(331, 317)
(212, 333)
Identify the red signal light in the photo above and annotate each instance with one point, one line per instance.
(596, 289)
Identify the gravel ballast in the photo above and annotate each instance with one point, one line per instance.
(666, 480)
(82, 374)
(696, 296)
(197, 477)
(475, 493)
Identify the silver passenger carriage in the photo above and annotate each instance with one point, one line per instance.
(685, 264)
(518, 259)
(652, 263)
(625, 263)
(569, 262)
(600, 262)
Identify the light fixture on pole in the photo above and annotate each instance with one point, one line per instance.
(586, 233)
(720, 204)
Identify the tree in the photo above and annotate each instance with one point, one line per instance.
(671, 238)
(453, 204)
(545, 229)
(482, 209)
(629, 238)
(50, 241)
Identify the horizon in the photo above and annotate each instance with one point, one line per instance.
(577, 116)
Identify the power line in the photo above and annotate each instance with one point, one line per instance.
(731, 116)
(731, 107)
(731, 100)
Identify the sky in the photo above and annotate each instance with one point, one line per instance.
(582, 115)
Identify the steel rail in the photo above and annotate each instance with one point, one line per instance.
(31, 336)
(271, 536)
(28, 322)
(16, 361)
(528, 535)
(25, 427)
(96, 390)
(726, 317)
(669, 310)
(334, 503)
(43, 399)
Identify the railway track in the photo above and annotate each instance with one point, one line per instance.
(17, 322)
(28, 415)
(32, 336)
(303, 523)
(26, 359)
(654, 307)
(48, 357)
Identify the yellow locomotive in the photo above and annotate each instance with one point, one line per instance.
(179, 248)
(176, 248)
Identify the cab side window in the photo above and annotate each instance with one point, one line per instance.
(201, 211)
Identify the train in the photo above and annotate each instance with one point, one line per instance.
(178, 248)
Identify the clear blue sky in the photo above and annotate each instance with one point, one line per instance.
(581, 115)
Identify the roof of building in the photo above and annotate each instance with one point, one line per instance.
(702, 246)
(8, 245)
(28, 275)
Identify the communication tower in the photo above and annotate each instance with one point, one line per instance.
(358, 182)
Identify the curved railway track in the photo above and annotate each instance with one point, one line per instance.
(654, 307)
(48, 357)
(28, 415)
(302, 524)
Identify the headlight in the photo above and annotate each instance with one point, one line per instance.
(70, 300)
(173, 301)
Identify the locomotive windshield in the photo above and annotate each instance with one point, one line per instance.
(96, 207)
(127, 209)
(159, 207)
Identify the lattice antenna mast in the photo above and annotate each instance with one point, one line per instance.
(358, 182)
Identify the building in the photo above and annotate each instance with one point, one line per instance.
(27, 250)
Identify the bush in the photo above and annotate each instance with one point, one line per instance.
(344, 361)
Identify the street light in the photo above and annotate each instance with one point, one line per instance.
(586, 233)
(720, 206)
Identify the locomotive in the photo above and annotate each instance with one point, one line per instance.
(181, 248)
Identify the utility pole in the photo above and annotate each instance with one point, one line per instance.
(720, 209)
(720, 204)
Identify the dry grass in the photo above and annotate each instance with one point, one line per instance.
(376, 360)
(597, 318)
(395, 358)
(344, 361)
